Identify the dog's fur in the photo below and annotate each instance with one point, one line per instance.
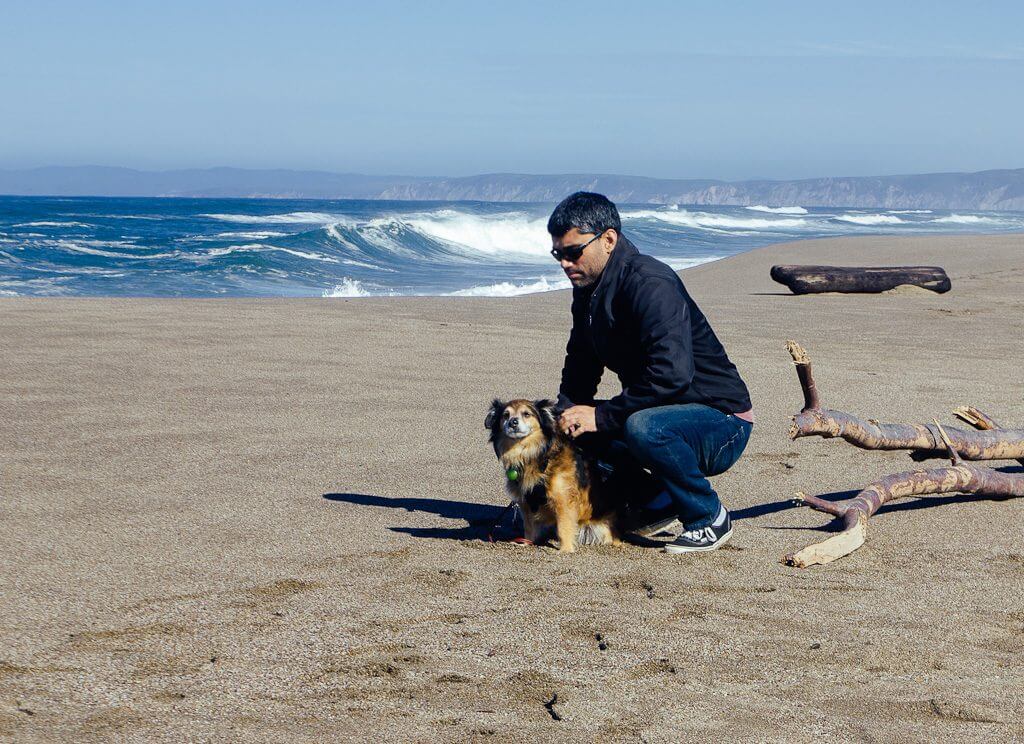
(557, 485)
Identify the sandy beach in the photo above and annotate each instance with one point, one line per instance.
(265, 520)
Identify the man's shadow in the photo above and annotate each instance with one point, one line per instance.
(480, 518)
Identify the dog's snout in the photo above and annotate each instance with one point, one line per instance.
(513, 423)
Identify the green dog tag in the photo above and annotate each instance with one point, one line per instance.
(512, 474)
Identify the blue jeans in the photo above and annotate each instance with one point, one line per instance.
(683, 444)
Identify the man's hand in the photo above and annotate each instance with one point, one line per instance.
(577, 420)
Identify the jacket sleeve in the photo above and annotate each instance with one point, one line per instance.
(662, 320)
(582, 370)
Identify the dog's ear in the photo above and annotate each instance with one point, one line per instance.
(492, 415)
(547, 416)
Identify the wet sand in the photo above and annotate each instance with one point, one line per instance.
(264, 520)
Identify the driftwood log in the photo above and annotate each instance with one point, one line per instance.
(813, 420)
(960, 477)
(859, 279)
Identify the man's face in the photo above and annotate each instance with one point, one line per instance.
(588, 268)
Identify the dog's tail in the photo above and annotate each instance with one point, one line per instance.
(594, 533)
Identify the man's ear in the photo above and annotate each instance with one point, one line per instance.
(492, 415)
(610, 239)
(546, 413)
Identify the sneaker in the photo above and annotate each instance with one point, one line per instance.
(707, 538)
(649, 522)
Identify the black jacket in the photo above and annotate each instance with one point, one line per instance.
(639, 321)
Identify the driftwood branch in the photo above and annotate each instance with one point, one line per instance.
(959, 477)
(986, 444)
(978, 419)
(859, 279)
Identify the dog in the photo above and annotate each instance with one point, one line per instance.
(551, 481)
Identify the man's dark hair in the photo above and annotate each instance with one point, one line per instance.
(587, 212)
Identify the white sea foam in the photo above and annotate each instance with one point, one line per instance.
(87, 247)
(686, 263)
(347, 288)
(261, 248)
(254, 235)
(41, 286)
(310, 255)
(76, 270)
(269, 219)
(869, 219)
(366, 265)
(909, 211)
(966, 219)
(715, 222)
(53, 224)
(508, 289)
(777, 210)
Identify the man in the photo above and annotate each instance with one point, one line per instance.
(684, 413)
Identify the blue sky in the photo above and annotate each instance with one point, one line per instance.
(732, 90)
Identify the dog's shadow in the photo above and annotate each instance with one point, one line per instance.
(480, 519)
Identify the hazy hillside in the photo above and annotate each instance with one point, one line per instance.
(985, 190)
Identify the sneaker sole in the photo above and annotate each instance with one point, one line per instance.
(664, 525)
(680, 549)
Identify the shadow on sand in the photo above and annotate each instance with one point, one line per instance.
(479, 518)
(907, 504)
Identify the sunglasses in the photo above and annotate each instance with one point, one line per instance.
(573, 252)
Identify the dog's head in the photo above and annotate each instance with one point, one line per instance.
(520, 420)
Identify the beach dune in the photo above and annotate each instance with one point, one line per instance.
(265, 520)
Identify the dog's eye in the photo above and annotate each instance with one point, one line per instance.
(526, 414)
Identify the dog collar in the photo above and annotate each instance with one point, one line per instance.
(514, 473)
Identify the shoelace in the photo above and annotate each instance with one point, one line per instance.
(704, 534)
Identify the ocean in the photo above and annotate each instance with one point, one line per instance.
(150, 247)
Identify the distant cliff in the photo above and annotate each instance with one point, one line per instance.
(985, 190)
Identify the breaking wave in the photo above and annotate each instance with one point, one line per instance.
(235, 247)
(869, 219)
(966, 219)
(706, 221)
(497, 234)
(777, 210)
(347, 288)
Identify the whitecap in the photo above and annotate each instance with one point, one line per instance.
(80, 248)
(291, 217)
(715, 222)
(53, 224)
(966, 219)
(909, 211)
(255, 235)
(869, 219)
(261, 248)
(304, 254)
(777, 210)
